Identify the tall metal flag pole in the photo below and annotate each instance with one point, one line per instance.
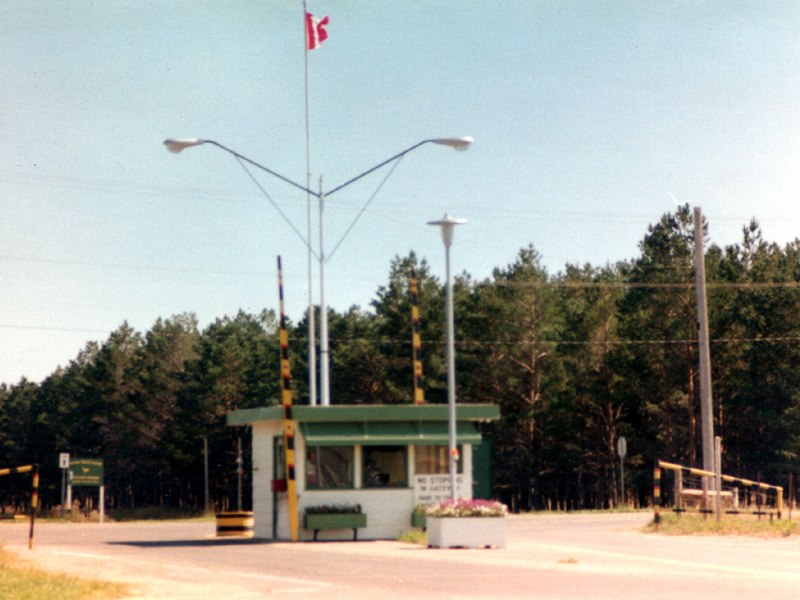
(288, 423)
(312, 345)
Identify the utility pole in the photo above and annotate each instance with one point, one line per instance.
(706, 410)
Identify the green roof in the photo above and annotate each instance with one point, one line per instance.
(367, 413)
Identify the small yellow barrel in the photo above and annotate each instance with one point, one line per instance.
(235, 524)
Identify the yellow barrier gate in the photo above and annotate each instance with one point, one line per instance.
(34, 492)
(682, 496)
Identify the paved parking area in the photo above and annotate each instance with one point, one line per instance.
(550, 557)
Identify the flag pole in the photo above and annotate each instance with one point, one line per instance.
(312, 345)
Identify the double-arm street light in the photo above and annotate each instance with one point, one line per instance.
(179, 144)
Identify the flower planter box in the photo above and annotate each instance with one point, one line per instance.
(466, 532)
(418, 520)
(353, 521)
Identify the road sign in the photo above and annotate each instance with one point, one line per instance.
(63, 460)
(622, 447)
(86, 472)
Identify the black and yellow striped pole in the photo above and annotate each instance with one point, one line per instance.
(34, 503)
(288, 423)
(416, 340)
(656, 494)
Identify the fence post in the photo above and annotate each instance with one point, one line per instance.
(678, 491)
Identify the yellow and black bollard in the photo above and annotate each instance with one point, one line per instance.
(235, 524)
(656, 495)
(34, 503)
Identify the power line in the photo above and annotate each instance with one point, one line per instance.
(53, 328)
(57, 261)
(509, 284)
(617, 342)
(635, 285)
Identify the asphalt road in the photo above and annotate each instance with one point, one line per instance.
(602, 556)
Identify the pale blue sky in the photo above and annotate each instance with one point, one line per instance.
(589, 118)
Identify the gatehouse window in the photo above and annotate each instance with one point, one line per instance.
(433, 460)
(384, 466)
(329, 467)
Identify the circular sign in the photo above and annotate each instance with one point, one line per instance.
(622, 447)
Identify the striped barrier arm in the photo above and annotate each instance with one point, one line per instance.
(14, 470)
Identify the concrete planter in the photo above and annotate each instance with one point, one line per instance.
(466, 532)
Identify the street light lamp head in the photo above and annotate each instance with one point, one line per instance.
(447, 223)
(177, 144)
(459, 143)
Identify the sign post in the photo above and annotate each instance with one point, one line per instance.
(63, 463)
(88, 472)
(622, 450)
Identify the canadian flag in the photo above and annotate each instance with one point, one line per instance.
(315, 31)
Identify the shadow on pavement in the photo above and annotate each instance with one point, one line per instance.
(191, 543)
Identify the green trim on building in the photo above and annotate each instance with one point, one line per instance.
(387, 433)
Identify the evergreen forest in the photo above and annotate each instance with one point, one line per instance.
(574, 359)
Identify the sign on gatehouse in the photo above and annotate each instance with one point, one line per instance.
(429, 489)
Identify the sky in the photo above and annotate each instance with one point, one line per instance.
(591, 119)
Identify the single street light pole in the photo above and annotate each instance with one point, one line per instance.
(324, 350)
(447, 225)
(207, 505)
(177, 145)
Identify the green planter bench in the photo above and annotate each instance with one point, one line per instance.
(419, 520)
(317, 522)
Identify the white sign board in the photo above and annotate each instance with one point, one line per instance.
(63, 460)
(429, 489)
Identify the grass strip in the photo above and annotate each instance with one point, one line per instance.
(20, 581)
(683, 524)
